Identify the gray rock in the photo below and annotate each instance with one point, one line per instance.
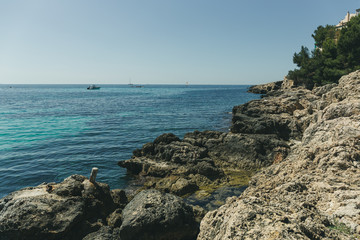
(285, 115)
(68, 210)
(155, 215)
(104, 233)
(119, 198)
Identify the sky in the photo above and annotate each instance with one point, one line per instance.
(157, 41)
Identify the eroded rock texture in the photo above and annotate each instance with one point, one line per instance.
(314, 192)
(155, 215)
(67, 210)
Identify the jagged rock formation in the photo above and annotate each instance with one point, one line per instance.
(314, 192)
(79, 209)
(265, 88)
(259, 136)
(202, 159)
(155, 215)
(286, 84)
(67, 210)
(285, 115)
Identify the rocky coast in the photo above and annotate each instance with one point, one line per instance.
(290, 160)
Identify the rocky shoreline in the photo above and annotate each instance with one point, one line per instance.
(295, 153)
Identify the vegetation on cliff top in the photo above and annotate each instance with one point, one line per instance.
(336, 53)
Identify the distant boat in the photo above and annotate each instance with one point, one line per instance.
(136, 86)
(93, 87)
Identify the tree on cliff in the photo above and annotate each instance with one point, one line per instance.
(336, 53)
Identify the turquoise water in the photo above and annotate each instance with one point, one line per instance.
(48, 132)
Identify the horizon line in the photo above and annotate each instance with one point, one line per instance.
(138, 84)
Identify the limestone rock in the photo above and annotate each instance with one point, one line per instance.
(155, 215)
(314, 192)
(68, 210)
(265, 88)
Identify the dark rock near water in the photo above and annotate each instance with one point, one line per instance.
(238, 151)
(179, 162)
(79, 209)
(155, 215)
(183, 166)
(68, 210)
(286, 115)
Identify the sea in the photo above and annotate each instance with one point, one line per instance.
(49, 132)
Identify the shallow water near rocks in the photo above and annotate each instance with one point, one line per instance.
(49, 132)
(216, 198)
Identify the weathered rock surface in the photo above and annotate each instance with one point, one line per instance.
(79, 209)
(314, 192)
(104, 233)
(154, 215)
(259, 136)
(201, 159)
(286, 115)
(67, 210)
(265, 88)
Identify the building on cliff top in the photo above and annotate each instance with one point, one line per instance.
(347, 18)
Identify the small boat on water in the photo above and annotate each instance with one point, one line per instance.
(136, 86)
(93, 87)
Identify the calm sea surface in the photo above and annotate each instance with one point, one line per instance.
(49, 132)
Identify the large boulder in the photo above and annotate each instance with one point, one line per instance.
(67, 210)
(154, 215)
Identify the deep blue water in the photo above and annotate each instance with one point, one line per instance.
(49, 132)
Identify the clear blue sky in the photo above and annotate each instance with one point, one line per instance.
(157, 41)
